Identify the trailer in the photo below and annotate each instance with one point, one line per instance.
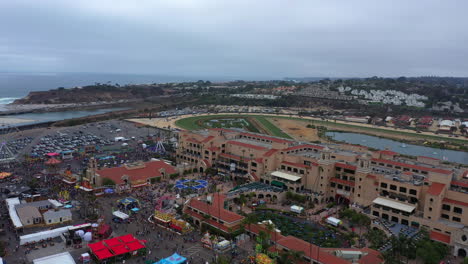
(333, 221)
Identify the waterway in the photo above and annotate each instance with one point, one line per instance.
(35, 118)
(407, 149)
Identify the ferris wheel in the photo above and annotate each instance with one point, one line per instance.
(6, 134)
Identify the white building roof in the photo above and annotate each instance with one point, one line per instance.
(120, 215)
(11, 203)
(62, 258)
(43, 235)
(448, 123)
(55, 203)
(285, 175)
(395, 205)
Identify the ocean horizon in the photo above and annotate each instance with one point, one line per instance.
(15, 85)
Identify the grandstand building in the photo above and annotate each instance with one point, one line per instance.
(389, 188)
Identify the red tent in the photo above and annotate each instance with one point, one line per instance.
(127, 238)
(97, 246)
(135, 245)
(103, 254)
(113, 242)
(119, 250)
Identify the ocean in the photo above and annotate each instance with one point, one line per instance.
(18, 85)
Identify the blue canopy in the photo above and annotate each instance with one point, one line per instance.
(174, 259)
(108, 190)
(135, 209)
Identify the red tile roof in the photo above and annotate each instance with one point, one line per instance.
(431, 158)
(210, 221)
(194, 140)
(270, 152)
(439, 237)
(436, 188)
(246, 145)
(254, 175)
(256, 228)
(459, 183)
(150, 170)
(371, 176)
(213, 148)
(310, 250)
(411, 166)
(295, 164)
(272, 139)
(216, 208)
(304, 146)
(341, 181)
(207, 163)
(345, 166)
(207, 139)
(446, 200)
(388, 152)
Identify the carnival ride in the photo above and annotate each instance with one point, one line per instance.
(163, 216)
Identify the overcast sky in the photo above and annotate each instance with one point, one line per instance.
(245, 38)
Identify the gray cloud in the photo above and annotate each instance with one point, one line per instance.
(245, 38)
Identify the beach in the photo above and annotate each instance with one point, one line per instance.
(12, 121)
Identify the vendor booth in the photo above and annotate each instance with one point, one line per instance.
(174, 259)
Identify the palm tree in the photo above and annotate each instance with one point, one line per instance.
(271, 228)
(250, 219)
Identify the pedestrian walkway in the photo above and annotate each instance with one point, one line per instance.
(194, 250)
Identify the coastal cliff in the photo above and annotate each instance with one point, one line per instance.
(92, 93)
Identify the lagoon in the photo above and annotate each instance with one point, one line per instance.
(406, 149)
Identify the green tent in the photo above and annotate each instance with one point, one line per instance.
(278, 184)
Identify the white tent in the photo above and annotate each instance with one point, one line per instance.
(120, 215)
(43, 235)
(88, 236)
(62, 258)
(11, 203)
(55, 203)
(80, 233)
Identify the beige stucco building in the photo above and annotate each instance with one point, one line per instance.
(418, 192)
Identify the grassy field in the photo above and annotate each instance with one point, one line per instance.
(191, 123)
(199, 122)
(274, 130)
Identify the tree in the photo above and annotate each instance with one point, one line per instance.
(290, 257)
(250, 219)
(107, 181)
(271, 228)
(376, 237)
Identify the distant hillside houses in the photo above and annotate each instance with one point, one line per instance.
(256, 96)
(387, 96)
